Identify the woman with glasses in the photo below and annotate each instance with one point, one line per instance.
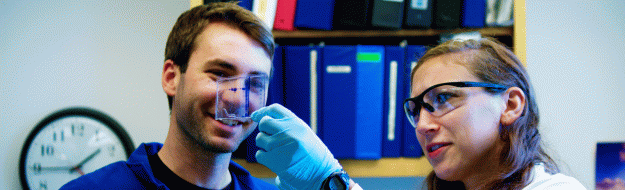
(475, 116)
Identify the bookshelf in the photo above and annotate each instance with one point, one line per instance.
(513, 36)
(505, 31)
(385, 167)
(428, 37)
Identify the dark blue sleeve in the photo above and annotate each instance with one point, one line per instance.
(242, 179)
(113, 176)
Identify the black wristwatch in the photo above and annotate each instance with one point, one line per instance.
(336, 181)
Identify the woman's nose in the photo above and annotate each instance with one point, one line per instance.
(425, 124)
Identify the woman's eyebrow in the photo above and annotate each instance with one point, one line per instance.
(259, 73)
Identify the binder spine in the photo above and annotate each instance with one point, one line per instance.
(285, 15)
(369, 101)
(339, 100)
(394, 96)
(473, 13)
(314, 14)
(418, 14)
(388, 14)
(266, 10)
(447, 14)
(411, 146)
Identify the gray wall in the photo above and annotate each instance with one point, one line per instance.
(108, 55)
(576, 59)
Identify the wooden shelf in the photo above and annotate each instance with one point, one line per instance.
(385, 167)
(505, 31)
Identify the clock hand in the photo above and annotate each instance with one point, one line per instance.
(54, 168)
(80, 171)
(79, 165)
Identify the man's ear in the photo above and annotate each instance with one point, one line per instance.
(514, 105)
(170, 77)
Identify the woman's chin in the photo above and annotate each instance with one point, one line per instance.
(446, 174)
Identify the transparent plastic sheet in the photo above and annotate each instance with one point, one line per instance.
(238, 97)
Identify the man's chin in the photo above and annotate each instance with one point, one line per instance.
(221, 146)
(219, 149)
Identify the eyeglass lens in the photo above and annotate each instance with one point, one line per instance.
(437, 101)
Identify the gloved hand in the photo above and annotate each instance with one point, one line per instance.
(291, 150)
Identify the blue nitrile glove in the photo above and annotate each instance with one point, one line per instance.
(291, 150)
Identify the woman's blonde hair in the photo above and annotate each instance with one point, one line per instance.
(492, 62)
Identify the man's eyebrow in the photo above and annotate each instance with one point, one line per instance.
(221, 63)
(229, 66)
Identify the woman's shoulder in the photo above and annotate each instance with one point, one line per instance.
(543, 180)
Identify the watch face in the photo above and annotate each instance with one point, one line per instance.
(337, 181)
(69, 144)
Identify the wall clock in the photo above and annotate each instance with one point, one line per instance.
(70, 143)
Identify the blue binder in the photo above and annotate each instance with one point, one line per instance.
(411, 147)
(393, 113)
(275, 94)
(247, 4)
(302, 83)
(276, 84)
(352, 100)
(473, 13)
(314, 14)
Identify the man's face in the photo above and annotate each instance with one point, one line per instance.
(221, 51)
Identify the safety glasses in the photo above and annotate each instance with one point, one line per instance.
(443, 98)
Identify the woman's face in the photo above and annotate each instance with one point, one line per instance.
(462, 144)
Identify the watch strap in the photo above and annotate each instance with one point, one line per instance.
(338, 180)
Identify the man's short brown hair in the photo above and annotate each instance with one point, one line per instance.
(190, 24)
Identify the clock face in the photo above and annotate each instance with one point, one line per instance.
(69, 144)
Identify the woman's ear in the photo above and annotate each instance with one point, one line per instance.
(170, 77)
(514, 105)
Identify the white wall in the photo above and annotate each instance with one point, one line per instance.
(106, 55)
(576, 59)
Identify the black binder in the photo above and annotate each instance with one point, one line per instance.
(447, 14)
(213, 1)
(388, 14)
(352, 14)
(418, 14)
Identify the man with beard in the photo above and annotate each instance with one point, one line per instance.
(207, 43)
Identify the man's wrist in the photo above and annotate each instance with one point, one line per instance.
(338, 180)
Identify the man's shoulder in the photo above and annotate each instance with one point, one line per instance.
(260, 184)
(246, 179)
(131, 174)
(112, 176)
(256, 183)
